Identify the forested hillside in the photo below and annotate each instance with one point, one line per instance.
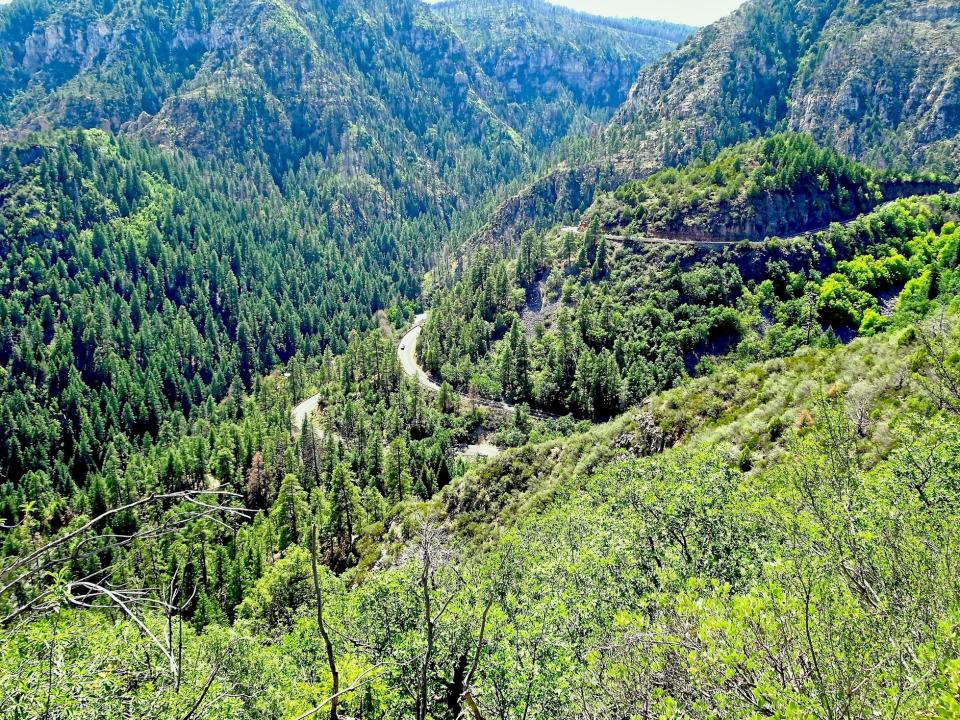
(138, 293)
(874, 81)
(411, 127)
(323, 155)
(558, 67)
(735, 548)
(590, 323)
(278, 441)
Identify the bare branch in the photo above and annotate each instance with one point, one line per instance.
(120, 603)
(56, 542)
(362, 679)
(206, 688)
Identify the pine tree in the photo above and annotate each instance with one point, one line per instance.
(290, 512)
(446, 398)
(600, 267)
(344, 512)
(569, 246)
(507, 364)
(591, 239)
(581, 396)
(521, 368)
(397, 478)
(310, 454)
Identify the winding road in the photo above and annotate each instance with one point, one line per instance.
(407, 355)
(643, 240)
(407, 347)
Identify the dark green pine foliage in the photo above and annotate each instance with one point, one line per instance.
(138, 287)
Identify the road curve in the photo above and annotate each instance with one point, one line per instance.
(310, 405)
(643, 240)
(407, 355)
(302, 411)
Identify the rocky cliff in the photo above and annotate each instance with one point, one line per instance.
(784, 185)
(876, 81)
(79, 65)
(557, 66)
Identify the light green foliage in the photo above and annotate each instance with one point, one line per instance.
(946, 704)
(281, 594)
(841, 304)
(679, 582)
(778, 186)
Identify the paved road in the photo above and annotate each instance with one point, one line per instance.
(310, 405)
(480, 450)
(407, 355)
(302, 411)
(643, 240)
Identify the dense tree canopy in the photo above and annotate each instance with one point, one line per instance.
(608, 327)
(719, 479)
(140, 291)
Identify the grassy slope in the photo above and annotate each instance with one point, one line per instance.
(667, 554)
(736, 409)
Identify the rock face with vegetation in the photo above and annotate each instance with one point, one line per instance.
(784, 185)
(558, 66)
(876, 81)
(381, 95)
(630, 317)
(92, 64)
(377, 110)
(882, 84)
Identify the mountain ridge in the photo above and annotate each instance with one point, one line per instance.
(558, 67)
(775, 65)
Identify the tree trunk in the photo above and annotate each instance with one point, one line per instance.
(327, 644)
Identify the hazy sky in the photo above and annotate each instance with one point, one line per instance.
(692, 12)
